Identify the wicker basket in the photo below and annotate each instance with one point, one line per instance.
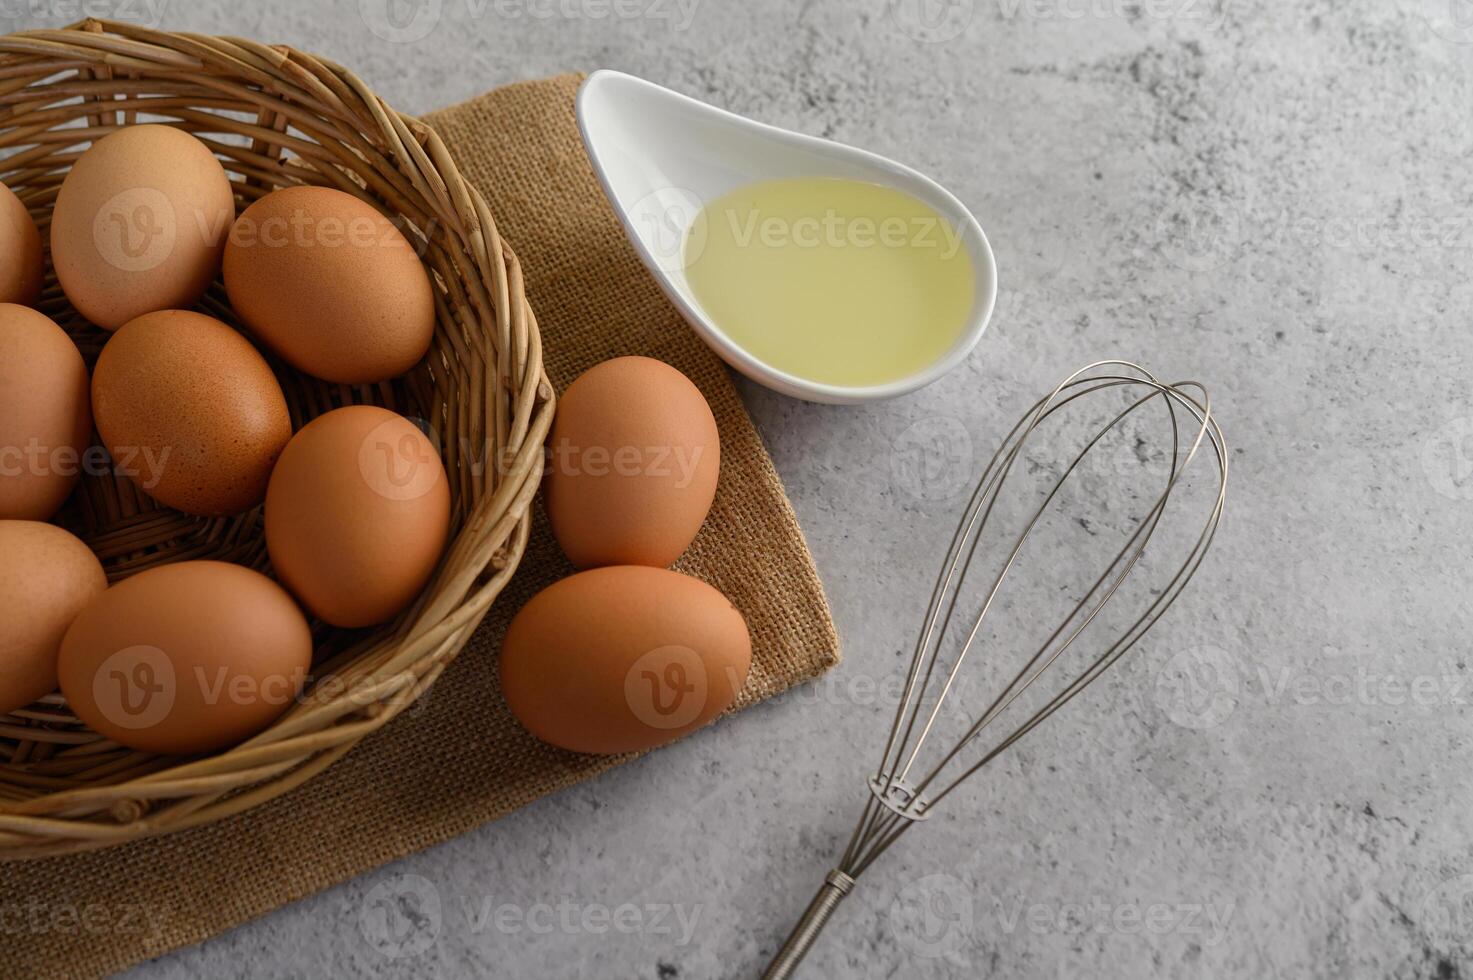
(275, 117)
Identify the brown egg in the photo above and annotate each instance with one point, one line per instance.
(633, 462)
(190, 411)
(45, 580)
(22, 269)
(186, 658)
(623, 659)
(45, 414)
(357, 515)
(140, 224)
(330, 284)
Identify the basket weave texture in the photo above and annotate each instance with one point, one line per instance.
(275, 117)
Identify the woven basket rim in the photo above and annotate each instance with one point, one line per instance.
(402, 165)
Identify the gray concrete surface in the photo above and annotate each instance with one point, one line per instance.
(1273, 196)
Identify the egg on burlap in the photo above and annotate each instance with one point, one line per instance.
(624, 658)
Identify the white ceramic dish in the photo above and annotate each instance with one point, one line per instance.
(661, 155)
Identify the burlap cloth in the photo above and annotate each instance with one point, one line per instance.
(457, 760)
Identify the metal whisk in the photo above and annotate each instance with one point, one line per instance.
(903, 792)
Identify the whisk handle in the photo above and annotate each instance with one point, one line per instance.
(835, 887)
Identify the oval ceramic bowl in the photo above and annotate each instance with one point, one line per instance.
(661, 155)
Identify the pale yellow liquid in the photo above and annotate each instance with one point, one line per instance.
(836, 281)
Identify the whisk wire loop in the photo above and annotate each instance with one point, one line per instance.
(898, 800)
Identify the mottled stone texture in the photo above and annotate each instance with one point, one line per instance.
(1273, 196)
